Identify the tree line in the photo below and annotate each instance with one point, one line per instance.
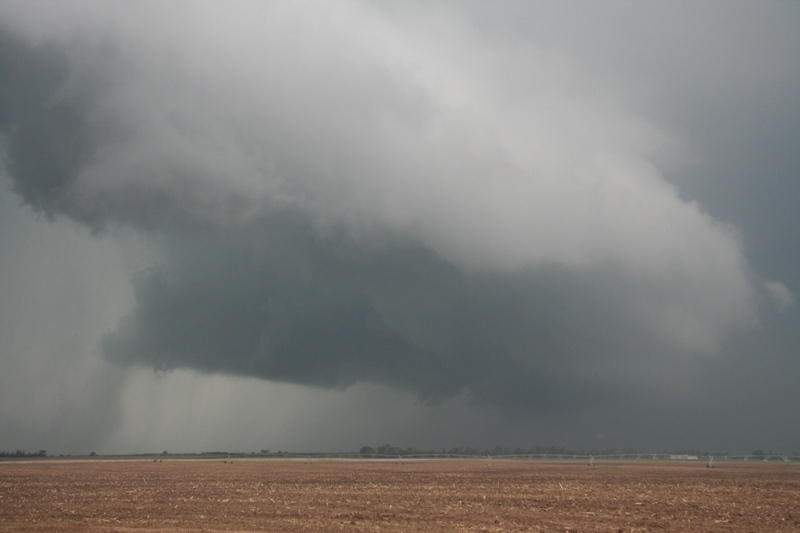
(388, 449)
(23, 453)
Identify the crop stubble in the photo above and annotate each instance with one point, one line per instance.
(429, 495)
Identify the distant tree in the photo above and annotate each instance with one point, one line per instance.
(387, 449)
(759, 453)
(367, 450)
(264, 452)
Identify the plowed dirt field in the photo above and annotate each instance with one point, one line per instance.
(424, 495)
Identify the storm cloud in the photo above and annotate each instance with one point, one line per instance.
(425, 198)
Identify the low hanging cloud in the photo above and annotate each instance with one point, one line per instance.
(339, 198)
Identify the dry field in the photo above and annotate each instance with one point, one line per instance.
(442, 495)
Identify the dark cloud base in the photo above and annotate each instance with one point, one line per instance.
(282, 303)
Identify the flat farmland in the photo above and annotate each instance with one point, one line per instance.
(412, 495)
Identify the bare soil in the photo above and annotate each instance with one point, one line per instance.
(422, 495)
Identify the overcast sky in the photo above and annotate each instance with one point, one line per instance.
(317, 226)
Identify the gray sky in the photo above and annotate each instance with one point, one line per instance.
(237, 226)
